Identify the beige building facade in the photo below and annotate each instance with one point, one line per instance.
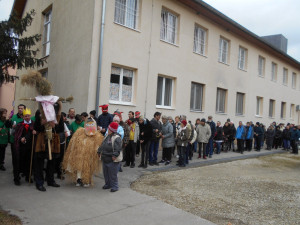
(173, 56)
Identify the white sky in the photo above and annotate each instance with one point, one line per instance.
(262, 17)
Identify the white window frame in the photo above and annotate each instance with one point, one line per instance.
(46, 37)
(283, 110)
(199, 40)
(240, 96)
(196, 97)
(285, 79)
(259, 106)
(292, 111)
(223, 50)
(294, 80)
(272, 103)
(163, 93)
(242, 58)
(170, 36)
(274, 72)
(261, 66)
(123, 9)
(218, 100)
(121, 87)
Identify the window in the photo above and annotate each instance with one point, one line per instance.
(292, 111)
(223, 51)
(294, 80)
(261, 66)
(164, 91)
(126, 13)
(121, 85)
(283, 110)
(199, 40)
(271, 108)
(221, 100)
(285, 76)
(239, 110)
(259, 106)
(196, 97)
(242, 58)
(274, 72)
(46, 35)
(168, 27)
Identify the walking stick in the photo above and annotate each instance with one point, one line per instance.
(30, 169)
(49, 150)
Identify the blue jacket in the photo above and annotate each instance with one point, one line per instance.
(250, 133)
(212, 128)
(240, 132)
(295, 135)
(104, 120)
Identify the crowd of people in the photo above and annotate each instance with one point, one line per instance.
(126, 140)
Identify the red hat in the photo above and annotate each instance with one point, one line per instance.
(113, 127)
(184, 122)
(104, 107)
(118, 113)
(137, 114)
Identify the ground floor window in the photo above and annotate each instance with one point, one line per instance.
(164, 91)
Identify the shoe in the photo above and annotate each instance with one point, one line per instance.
(125, 165)
(132, 165)
(41, 188)
(105, 187)
(156, 163)
(199, 157)
(181, 165)
(210, 156)
(167, 163)
(145, 166)
(177, 164)
(2, 168)
(162, 161)
(17, 182)
(113, 190)
(79, 183)
(54, 185)
(141, 165)
(151, 164)
(204, 157)
(121, 170)
(86, 185)
(242, 152)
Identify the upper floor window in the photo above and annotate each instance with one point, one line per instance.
(164, 91)
(168, 26)
(242, 58)
(46, 33)
(223, 50)
(199, 40)
(294, 80)
(285, 76)
(121, 85)
(196, 103)
(126, 12)
(274, 72)
(261, 66)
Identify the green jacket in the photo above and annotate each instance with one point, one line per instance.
(75, 126)
(3, 134)
(16, 119)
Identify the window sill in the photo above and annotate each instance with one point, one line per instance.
(122, 25)
(240, 115)
(200, 54)
(275, 81)
(170, 43)
(258, 116)
(122, 103)
(221, 113)
(285, 85)
(261, 76)
(196, 111)
(271, 117)
(242, 70)
(224, 63)
(282, 118)
(164, 107)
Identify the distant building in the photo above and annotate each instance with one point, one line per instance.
(173, 56)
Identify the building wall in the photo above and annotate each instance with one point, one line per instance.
(7, 93)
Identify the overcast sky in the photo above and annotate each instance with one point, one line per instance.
(262, 17)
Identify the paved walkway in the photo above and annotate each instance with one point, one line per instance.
(77, 205)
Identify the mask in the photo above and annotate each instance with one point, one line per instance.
(90, 127)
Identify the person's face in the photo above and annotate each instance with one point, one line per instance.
(116, 121)
(240, 124)
(198, 122)
(218, 124)
(141, 121)
(65, 118)
(27, 117)
(182, 125)
(164, 120)
(130, 116)
(92, 116)
(4, 114)
(72, 112)
(171, 121)
(209, 118)
(177, 120)
(226, 124)
(20, 110)
(157, 117)
(202, 123)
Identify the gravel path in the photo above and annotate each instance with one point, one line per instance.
(264, 190)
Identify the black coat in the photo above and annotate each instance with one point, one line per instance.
(145, 128)
(219, 133)
(156, 125)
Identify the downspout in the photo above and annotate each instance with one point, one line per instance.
(100, 56)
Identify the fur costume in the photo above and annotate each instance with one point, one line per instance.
(81, 155)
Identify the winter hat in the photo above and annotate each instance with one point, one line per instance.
(184, 122)
(203, 120)
(141, 117)
(116, 119)
(137, 114)
(113, 127)
(257, 123)
(118, 113)
(104, 108)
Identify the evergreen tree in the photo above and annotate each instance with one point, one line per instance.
(16, 49)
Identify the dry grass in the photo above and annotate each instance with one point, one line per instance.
(7, 219)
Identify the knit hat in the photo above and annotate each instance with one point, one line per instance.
(257, 123)
(203, 120)
(113, 127)
(104, 108)
(116, 119)
(184, 122)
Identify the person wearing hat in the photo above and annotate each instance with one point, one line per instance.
(109, 152)
(23, 144)
(104, 119)
(258, 133)
(145, 140)
(203, 135)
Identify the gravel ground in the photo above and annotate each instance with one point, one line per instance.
(264, 190)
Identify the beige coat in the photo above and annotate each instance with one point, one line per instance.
(203, 133)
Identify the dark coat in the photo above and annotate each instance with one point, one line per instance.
(286, 134)
(219, 133)
(212, 128)
(104, 120)
(145, 128)
(156, 125)
(22, 132)
(258, 131)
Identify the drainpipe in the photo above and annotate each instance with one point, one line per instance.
(100, 56)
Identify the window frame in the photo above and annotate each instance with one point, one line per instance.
(274, 71)
(261, 66)
(242, 62)
(238, 104)
(218, 101)
(285, 78)
(273, 108)
(283, 110)
(294, 80)
(259, 106)
(163, 92)
(126, 12)
(165, 36)
(197, 43)
(221, 50)
(193, 104)
(292, 111)
(46, 43)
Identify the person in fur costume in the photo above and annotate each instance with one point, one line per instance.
(81, 160)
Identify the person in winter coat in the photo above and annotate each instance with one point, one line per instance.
(249, 136)
(295, 136)
(232, 131)
(286, 138)
(182, 141)
(177, 125)
(203, 135)
(168, 141)
(145, 140)
(4, 131)
(171, 121)
(131, 146)
(270, 134)
(240, 137)
(258, 134)
(277, 137)
(209, 146)
(104, 119)
(156, 135)
(219, 136)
